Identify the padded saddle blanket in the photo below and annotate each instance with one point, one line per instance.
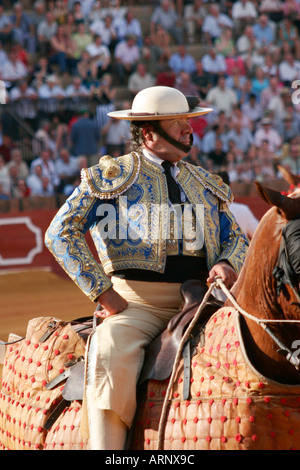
(31, 415)
(232, 406)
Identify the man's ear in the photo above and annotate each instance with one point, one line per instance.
(148, 132)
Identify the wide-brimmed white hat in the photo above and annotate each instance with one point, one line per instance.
(161, 102)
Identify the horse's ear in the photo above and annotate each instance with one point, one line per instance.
(270, 196)
(289, 206)
(292, 179)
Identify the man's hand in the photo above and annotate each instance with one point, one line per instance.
(111, 303)
(225, 271)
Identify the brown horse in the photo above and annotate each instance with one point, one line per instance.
(245, 382)
(243, 393)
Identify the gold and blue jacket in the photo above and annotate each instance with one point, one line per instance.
(142, 184)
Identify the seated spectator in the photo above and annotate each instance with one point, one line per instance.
(6, 146)
(279, 103)
(42, 139)
(166, 15)
(127, 55)
(66, 168)
(287, 128)
(194, 157)
(272, 8)
(140, 79)
(201, 80)
(115, 133)
(249, 49)
(291, 8)
(288, 33)
(220, 97)
(217, 156)
(22, 28)
(263, 153)
(18, 163)
(214, 64)
(241, 136)
(259, 83)
(183, 83)
(38, 15)
(194, 14)
(264, 32)
(70, 26)
(45, 32)
(38, 184)
(225, 44)
(252, 110)
(231, 167)
(50, 95)
(4, 176)
(80, 39)
(269, 67)
(243, 13)
(24, 99)
(236, 81)
(87, 70)
(77, 96)
(5, 27)
(289, 69)
(60, 12)
(214, 22)
(41, 71)
(238, 116)
(129, 25)
(272, 90)
(266, 132)
(48, 167)
(20, 190)
(116, 10)
(77, 13)
(13, 70)
(63, 52)
(100, 55)
(181, 61)
(97, 12)
(210, 138)
(292, 161)
(166, 77)
(159, 46)
(107, 31)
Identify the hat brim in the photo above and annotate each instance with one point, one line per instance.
(128, 115)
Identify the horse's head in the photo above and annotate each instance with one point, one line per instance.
(268, 286)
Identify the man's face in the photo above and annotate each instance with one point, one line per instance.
(178, 129)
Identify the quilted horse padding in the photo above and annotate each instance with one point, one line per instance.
(232, 406)
(25, 403)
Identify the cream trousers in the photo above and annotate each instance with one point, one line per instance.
(122, 339)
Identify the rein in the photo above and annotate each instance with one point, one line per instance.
(284, 350)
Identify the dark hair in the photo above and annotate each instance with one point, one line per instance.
(136, 129)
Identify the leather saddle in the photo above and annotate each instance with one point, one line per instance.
(160, 354)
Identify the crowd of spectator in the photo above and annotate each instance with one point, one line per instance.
(63, 61)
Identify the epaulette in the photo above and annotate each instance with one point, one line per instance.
(212, 182)
(111, 177)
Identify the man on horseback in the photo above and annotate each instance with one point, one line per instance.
(156, 222)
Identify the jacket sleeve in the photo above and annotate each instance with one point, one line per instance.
(65, 238)
(234, 244)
